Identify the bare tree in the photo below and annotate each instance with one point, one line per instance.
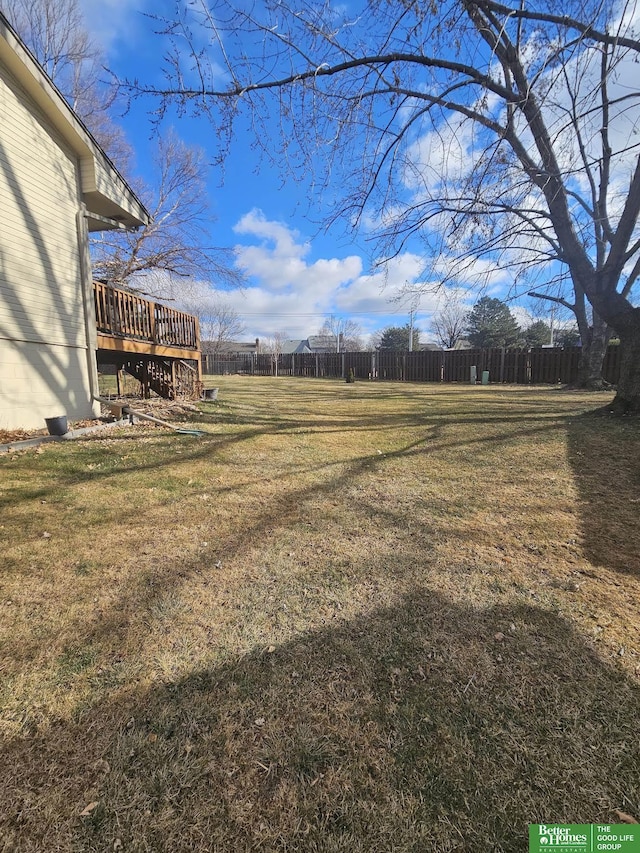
(375, 339)
(341, 334)
(274, 346)
(502, 135)
(176, 241)
(55, 32)
(449, 322)
(220, 324)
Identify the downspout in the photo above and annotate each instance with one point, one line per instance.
(86, 283)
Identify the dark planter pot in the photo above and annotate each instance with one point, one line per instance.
(210, 393)
(57, 426)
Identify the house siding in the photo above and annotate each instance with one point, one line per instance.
(44, 362)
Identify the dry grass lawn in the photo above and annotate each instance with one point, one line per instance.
(370, 617)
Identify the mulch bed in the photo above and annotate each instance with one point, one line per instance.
(164, 409)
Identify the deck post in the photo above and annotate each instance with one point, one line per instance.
(145, 380)
(151, 308)
(174, 378)
(199, 361)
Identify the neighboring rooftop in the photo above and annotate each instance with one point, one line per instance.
(295, 346)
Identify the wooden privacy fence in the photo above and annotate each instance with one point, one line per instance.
(539, 366)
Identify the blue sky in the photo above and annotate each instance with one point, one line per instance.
(297, 272)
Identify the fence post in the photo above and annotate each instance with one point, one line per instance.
(502, 365)
(293, 364)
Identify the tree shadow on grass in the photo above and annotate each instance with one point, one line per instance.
(605, 457)
(424, 726)
(73, 472)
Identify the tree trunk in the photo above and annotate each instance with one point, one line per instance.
(594, 350)
(627, 399)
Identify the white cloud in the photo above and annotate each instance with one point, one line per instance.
(287, 292)
(373, 292)
(278, 266)
(113, 22)
(290, 293)
(444, 154)
(256, 224)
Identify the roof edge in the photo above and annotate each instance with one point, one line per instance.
(24, 66)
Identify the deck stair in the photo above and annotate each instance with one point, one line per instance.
(153, 375)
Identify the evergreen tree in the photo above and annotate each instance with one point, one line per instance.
(567, 337)
(397, 338)
(491, 324)
(538, 334)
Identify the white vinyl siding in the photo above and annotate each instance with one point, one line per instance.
(43, 341)
(39, 381)
(40, 283)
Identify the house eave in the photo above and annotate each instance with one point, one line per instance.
(105, 192)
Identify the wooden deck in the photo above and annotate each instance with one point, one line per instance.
(158, 345)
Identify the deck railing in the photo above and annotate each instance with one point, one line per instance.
(126, 315)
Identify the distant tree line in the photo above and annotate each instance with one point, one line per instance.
(490, 323)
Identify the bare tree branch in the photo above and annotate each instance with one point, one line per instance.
(176, 240)
(55, 32)
(517, 155)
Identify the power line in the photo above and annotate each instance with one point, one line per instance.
(318, 313)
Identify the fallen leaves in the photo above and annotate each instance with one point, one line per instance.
(623, 817)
